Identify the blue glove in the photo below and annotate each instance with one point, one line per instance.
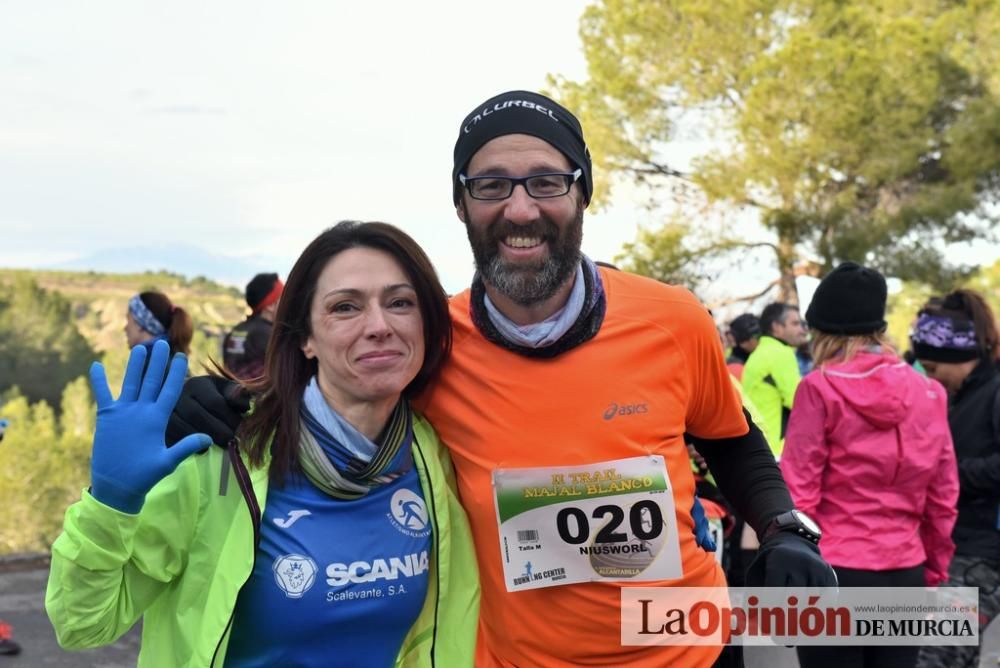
(786, 559)
(130, 455)
(702, 530)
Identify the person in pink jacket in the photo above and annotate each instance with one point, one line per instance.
(868, 454)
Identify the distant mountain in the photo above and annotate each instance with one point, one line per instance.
(183, 259)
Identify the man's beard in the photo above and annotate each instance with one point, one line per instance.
(527, 283)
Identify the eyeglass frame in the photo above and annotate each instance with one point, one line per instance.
(519, 181)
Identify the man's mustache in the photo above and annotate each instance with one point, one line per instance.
(544, 229)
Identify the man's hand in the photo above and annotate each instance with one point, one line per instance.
(786, 559)
(211, 405)
(130, 455)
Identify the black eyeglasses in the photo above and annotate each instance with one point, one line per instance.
(539, 186)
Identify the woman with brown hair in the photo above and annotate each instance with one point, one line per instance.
(956, 341)
(328, 534)
(151, 316)
(868, 455)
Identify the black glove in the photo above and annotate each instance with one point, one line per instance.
(786, 559)
(210, 405)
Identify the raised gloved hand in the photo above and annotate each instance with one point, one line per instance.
(786, 559)
(130, 455)
(211, 405)
(702, 529)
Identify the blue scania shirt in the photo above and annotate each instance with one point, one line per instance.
(335, 583)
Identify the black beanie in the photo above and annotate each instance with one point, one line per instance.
(850, 300)
(745, 327)
(522, 112)
(259, 287)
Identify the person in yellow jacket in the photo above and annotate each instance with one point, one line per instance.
(771, 373)
(328, 533)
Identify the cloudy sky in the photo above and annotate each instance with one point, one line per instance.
(246, 127)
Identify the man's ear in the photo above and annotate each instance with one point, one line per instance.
(460, 211)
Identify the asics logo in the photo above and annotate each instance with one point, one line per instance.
(614, 409)
(293, 517)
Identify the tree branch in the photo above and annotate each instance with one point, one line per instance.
(731, 95)
(745, 298)
(730, 244)
(750, 201)
(655, 169)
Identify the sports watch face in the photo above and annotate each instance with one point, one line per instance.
(807, 522)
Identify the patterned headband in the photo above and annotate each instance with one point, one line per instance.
(940, 331)
(942, 339)
(144, 317)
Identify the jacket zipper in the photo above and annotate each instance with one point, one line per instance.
(243, 480)
(437, 548)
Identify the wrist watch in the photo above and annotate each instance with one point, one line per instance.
(795, 521)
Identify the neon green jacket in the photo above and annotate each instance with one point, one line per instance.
(180, 563)
(770, 378)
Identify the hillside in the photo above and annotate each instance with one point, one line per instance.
(99, 302)
(53, 324)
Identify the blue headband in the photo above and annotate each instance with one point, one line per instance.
(144, 317)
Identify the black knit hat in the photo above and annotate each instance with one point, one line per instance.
(259, 287)
(850, 300)
(522, 112)
(745, 327)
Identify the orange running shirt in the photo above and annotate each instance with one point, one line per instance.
(654, 370)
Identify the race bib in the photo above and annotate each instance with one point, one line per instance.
(603, 522)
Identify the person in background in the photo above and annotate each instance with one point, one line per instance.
(152, 317)
(328, 534)
(909, 355)
(742, 544)
(244, 347)
(803, 355)
(771, 374)
(7, 645)
(744, 335)
(869, 456)
(957, 342)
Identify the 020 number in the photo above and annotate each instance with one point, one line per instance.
(644, 519)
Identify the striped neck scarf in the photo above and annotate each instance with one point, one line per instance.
(345, 472)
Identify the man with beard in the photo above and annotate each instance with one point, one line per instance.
(565, 405)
